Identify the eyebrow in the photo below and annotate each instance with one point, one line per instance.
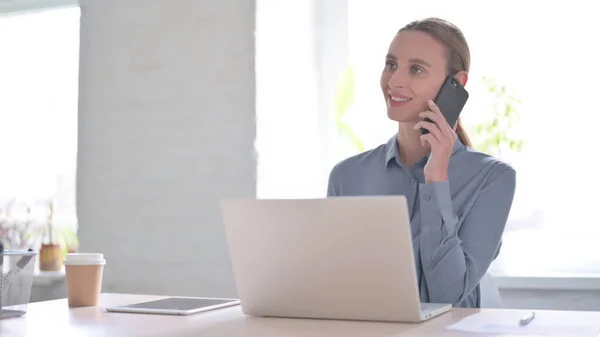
(412, 60)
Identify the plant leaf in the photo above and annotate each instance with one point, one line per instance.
(344, 94)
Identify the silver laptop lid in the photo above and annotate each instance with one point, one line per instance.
(337, 258)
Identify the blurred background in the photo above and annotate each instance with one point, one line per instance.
(122, 123)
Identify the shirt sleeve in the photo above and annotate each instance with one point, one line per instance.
(333, 186)
(455, 261)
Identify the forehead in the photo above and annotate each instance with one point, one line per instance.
(418, 45)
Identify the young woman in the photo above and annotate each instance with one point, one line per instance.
(459, 199)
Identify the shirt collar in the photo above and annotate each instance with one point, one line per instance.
(391, 149)
(393, 152)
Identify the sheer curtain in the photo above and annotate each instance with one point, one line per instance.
(39, 66)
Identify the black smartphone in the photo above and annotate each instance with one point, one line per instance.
(451, 99)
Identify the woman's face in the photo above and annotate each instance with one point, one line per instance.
(414, 71)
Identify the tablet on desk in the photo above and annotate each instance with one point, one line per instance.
(176, 306)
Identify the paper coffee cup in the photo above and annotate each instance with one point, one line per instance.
(84, 278)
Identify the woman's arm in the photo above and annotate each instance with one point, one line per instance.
(333, 184)
(455, 261)
(332, 188)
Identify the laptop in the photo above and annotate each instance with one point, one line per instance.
(347, 258)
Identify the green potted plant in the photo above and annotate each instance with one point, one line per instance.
(55, 243)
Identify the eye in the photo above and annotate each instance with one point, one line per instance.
(391, 65)
(416, 69)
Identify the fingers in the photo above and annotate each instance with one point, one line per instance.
(431, 127)
(442, 127)
(433, 107)
(430, 139)
(436, 116)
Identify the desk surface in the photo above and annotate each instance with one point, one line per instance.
(54, 318)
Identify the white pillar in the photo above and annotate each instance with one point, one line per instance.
(166, 128)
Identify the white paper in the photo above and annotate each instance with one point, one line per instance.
(545, 323)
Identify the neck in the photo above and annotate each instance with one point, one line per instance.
(409, 144)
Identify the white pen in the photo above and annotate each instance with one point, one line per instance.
(527, 318)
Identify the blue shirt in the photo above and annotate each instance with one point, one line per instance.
(456, 225)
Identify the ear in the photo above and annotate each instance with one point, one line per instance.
(462, 77)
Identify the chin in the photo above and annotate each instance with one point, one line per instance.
(401, 116)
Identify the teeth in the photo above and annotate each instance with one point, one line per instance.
(398, 99)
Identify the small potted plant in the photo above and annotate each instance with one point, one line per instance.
(55, 243)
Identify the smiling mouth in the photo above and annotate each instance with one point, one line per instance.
(397, 101)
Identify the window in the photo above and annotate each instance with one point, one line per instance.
(543, 56)
(551, 67)
(39, 64)
(288, 138)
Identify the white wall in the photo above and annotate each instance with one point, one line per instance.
(166, 128)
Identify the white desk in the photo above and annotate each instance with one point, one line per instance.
(54, 318)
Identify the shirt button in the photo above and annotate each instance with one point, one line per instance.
(414, 181)
(427, 197)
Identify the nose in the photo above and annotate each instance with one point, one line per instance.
(397, 80)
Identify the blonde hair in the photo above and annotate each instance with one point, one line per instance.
(459, 55)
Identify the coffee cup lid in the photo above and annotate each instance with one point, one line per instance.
(84, 259)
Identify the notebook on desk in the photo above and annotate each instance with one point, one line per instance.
(334, 258)
(545, 323)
